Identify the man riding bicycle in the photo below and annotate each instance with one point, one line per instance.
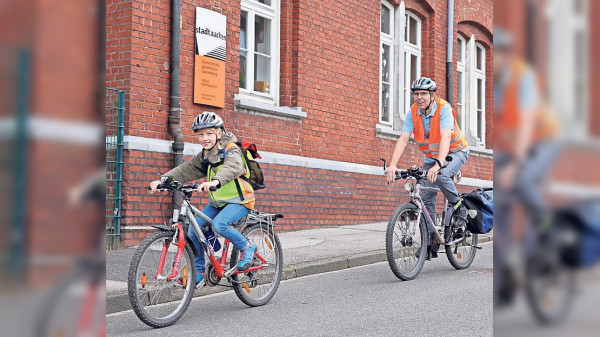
(222, 164)
(436, 131)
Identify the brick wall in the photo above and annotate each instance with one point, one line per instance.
(328, 66)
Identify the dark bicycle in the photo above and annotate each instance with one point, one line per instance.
(411, 229)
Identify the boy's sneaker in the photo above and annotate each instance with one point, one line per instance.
(246, 256)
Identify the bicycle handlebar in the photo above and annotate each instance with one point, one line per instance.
(415, 171)
(177, 186)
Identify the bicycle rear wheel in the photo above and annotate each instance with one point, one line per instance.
(461, 254)
(550, 285)
(404, 238)
(261, 284)
(159, 302)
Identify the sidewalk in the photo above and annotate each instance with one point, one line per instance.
(304, 253)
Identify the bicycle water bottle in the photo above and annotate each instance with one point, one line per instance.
(211, 237)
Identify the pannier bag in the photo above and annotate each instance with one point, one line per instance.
(480, 206)
(584, 217)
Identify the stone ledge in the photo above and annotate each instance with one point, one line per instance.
(249, 106)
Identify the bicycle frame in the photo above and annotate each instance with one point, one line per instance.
(188, 211)
(415, 197)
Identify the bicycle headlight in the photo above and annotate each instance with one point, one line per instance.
(408, 186)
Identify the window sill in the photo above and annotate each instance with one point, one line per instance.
(386, 131)
(247, 105)
(482, 152)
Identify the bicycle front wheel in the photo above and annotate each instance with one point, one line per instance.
(258, 287)
(406, 242)
(159, 302)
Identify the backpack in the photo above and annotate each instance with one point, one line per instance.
(257, 179)
(480, 206)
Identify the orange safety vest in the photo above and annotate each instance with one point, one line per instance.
(431, 146)
(507, 117)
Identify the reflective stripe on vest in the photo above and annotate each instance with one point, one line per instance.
(430, 146)
(236, 191)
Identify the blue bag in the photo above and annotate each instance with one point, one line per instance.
(480, 206)
(589, 232)
(584, 218)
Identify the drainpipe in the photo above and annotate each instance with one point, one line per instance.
(449, 67)
(175, 107)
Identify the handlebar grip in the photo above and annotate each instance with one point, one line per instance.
(212, 188)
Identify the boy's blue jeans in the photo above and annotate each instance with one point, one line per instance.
(222, 220)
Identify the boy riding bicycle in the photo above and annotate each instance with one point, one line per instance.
(433, 122)
(222, 164)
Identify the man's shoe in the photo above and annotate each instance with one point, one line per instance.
(246, 256)
(431, 254)
(461, 215)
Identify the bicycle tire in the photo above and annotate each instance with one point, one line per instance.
(537, 269)
(265, 291)
(460, 262)
(391, 253)
(65, 309)
(175, 295)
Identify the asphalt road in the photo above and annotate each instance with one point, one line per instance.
(361, 301)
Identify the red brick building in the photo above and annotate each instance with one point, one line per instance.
(328, 99)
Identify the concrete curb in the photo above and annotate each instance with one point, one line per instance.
(119, 300)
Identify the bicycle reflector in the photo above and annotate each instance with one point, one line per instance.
(144, 279)
(246, 287)
(185, 275)
(268, 243)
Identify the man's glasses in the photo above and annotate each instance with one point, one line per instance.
(419, 94)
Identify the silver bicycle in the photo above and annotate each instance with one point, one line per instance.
(413, 236)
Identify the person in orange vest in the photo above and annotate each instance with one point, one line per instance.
(525, 147)
(433, 122)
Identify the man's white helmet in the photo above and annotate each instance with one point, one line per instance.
(423, 83)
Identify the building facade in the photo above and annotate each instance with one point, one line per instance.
(322, 88)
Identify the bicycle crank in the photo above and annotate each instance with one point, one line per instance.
(211, 277)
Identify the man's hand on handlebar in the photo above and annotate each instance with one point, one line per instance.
(206, 186)
(433, 173)
(391, 173)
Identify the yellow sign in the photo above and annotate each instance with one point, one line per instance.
(209, 81)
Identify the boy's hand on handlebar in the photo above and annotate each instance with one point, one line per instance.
(391, 173)
(153, 185)
(205, 186)
(433, 173)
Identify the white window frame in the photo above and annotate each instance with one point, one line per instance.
(472, 74)
(388, 39)
(564, 24)
(271, 12)
(479, 74)
(408, 50)
(461, 69)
